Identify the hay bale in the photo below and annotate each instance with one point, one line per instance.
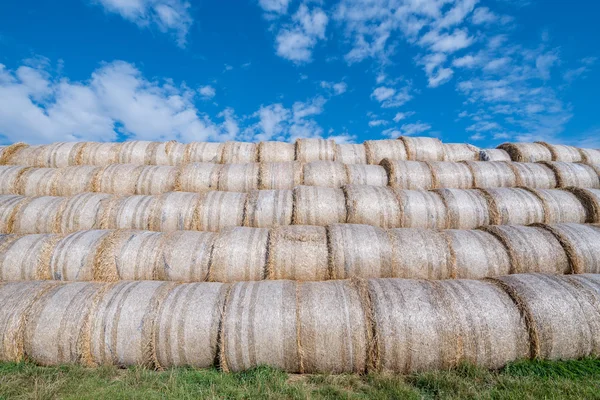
(186, 256)
(581, 244)
(121, 325)
(175, 211)
(27, 258)
(590, 200)
(460, 152)
(561, 206)
(427, 325)
(187, 325)
(490, 174)
(130, 212)
(176, 152)
(38, 216)
(239, 254)
(239, 177)
(203, 152)
(467, 209)
(269, 208)
(269, 152)
(372, 205)
(512, 206)
(198, 177)
(134, 152)
(9, 176)
(334, 331)
(562, 316)
(117, 179)
(10, 153)
(563, 153)
(156, 179)
(527, 152)
(348, 153)
(421, 209)
(83, 212)
(362, 174)
(412, 175)
(325, 173)
(423, 148)
(477, 254)
(533, 175)
(318, 206)
(574, 175)
(283, 175)
(250, 307)
(55, 329)
(420, 253)
(298, 253)
(101, 154)
(451, 175)
(28, 156)
(239, 153)
(9, 205)
(377, 150)
(532, 249)
(74, 257)
(590, 156)
(36, 182)
(59, 155)
(220, 210)
(131, 255)
(157, 153)
(309, 150)
(75, 180)
(494, 155)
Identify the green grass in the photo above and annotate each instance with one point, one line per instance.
(523, 380)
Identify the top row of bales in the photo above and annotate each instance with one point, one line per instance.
(542, 151)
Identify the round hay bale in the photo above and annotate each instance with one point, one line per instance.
(423, 148)
(220, 210)
(325, 173)
(590, 156)
(490, 174)
(17, 298)
(269, 152)
(73, 257)
(563, 317)
(460, 152)
(372, 205)
(590, 199)
(75, 180)
(269, 208)
(581, 244)
(596, 168)
(430, 325)
(318, 206)
(527, 152)
(83, 212)
(451, 175)
(37, 182)
(283, 175)
(411, 175)
(574, 175)
(187, 325)
(203, 152)
(130, 212)
(9, 206)
(175, 152)
(134, 152)
(27, 258)
(55, 329)
(298, 253)
(175, 211)
(9, 176)
(561, 206)
(239, 254)
(40, 215)
(494, 155)
(362, 174)
(532, 249)
(348, 153)
(513, 206)
(10, 153)
(333, 328)
(467, 209)
(156, 179)
(31, 156)
(239, 177)
(157, 153)
(198, 177)
(377, 150)
(121, 325)
(420, 254)
(239, 153)
(421, 209)
(117, 179)
(563, 153)
(359, 251)
(59, 155)
(477, 254)
(101, 154)
(250, 307)
(135, 255)
(309, 150)
(533, 175)
(186, 256)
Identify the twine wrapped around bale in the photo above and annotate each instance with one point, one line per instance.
(239, 153)
(269, 152)
(527, 152)
(10, 153)
(9, 176)
(129, 212)
(411, 175)
(563, 153)
(490, 174)
(135, 255)
(30, 156)
(533, 175)
(451, 175)
(298, 253)
(101, 154)
(581, 244)
(513, 206)
(58, 155)
(362, 174)
(186, 256)
(175, 152)
(39, 215)
(9, 206)
(239, 254)
(175, 211)
(250, 308)
(372, 205)
(325, 173)
(377, 150)
(158, 153)
(359, 251)
(220, 210)
(75, 180)
(187, 325)
(590, 199)
(460, 152)
(493, 155)
(428, 325)
(134, 152)
(309, 150)
(349, 153)
(156, 179)
(269, 208)
(238, 177)
(198, 177)
(84, 211)
(36, 182)
(420, 253)
(203, 152)
(467, 209)
(318, 206)
(118, 179)
(27, 258)
(423, 148)
(561, 206)
(73, 258)
(574, 175)
(590, 156)
(421, 209)
(283, 175)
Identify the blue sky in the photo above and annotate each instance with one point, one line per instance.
(483, 72)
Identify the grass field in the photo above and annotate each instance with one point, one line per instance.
(524, 380)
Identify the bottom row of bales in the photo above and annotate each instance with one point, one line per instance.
(303, 327)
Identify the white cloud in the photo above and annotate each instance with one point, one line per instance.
(274, 6)
(337, 88)
(377, 122)
(296, 41)
(447, 43)
(414, 129)
(581, 71)
(544, 62)
(403, 115)
(483, 15)
(390, 97)
(207, 92)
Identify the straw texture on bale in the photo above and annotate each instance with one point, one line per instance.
(420, 253)
(563, 153)
(260, 327)
(9, 176)
(36, 182)
(590, 156)
(158, 153)
(561, 206)
(239, 153)
(467, 209)
(156, 179)
(269, 208)
(176, 153)
(58, 155)
(451, 175)
(204, 152)
(532, 249)
(309, 150)
(359, 250)
(533, 175)
(348, 153)
(318, 206)
(10, 205)
(26, 258)
(75, 180)
(581, 244)
(130, 212)
(490, 174)
(412, 175)
(186, 256)
(377, 150)
(512, 206)
(590, 199)
(575, 175)
(421, 209)
(175, 211)
(187, 325)
(423, 148)
(39, 215)
(361, 174)
(117, 179)
(134, 255)
(239, 254)
(298, 253)
(82, 212)
(460, 152)
(198, 177)
(426, 325)
(372, 205)
(325, 173)
(100, 154)
(239, 177)
(220, 210)
(276, 152)
(10, 154)
(284, 175)
(527, 152)
(134, 152)
(73, 258)
(494, 155)
(29, 155)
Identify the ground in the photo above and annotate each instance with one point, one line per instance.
(522, 380)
